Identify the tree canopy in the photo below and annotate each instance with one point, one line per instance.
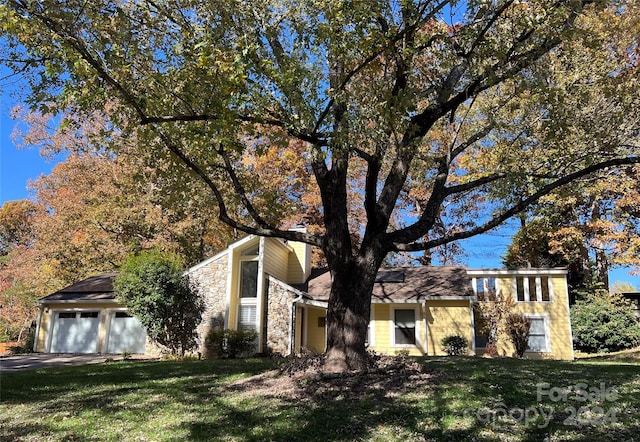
(444, 119)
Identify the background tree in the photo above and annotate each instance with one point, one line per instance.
(154, 288)
(604, 322)
(17, 300)
(593, 224)
(387, 96)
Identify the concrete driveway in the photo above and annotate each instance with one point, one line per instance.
(37, 361)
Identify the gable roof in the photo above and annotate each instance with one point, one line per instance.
(95, 288)
(404, 284)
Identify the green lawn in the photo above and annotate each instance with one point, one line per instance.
(449, 399)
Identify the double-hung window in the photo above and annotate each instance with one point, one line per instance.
(404, 327)
(538, 334)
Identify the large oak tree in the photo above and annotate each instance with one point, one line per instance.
(414, 101)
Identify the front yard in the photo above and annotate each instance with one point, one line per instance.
(247, 400)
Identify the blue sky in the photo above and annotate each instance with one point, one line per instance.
(18, 166)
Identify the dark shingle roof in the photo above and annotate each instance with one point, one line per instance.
(404, 284)
(96, 288)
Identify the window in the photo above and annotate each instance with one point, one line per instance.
(249, 279)
(66, 315)
(520, 289)
(532, 289)
(485, 288)
(538, 339)
(544, 286)
(247, 317)
(405, 327)
(248, 291)
(252, 251)
(89, 314)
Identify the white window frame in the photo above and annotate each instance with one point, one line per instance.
(255, 324)
(392, 321)
(547, 331)
(476, 279)
(247, 301)
(371, 329)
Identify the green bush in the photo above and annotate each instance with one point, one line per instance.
(229, 343)
(518, 327)
(155, 290)
(454, 345)
(604, 323)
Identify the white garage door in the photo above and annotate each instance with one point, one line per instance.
(126, 334)
(75, 332)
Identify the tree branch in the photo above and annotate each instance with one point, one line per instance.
(495, 221)
(222, 208)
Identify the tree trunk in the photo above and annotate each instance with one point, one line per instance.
(348, 318)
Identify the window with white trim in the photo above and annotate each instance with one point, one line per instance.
(248, 279)
(371, 331)
(247, 317)
(533, 288)
(404, 324)
(538, 334)
(485, 288)
(248, 289)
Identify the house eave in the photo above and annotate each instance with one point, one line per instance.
(77, 301)
(207, 261)
(517, 272)
(285, 286)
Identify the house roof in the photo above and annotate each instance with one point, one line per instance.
(404, 284)
(95, 288)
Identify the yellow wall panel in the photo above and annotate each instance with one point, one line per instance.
(447, 318)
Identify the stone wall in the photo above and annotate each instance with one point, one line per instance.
(279, 298)
(212, 280)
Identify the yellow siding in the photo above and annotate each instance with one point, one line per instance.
(276, 259)
(316, 333)
(556, 313)
(447, 318)
(45, 320)
(299, 263)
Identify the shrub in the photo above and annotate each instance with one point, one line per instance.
(518, 327)
(229, 343)
(154, 289)
(604, 323)
(454, 345)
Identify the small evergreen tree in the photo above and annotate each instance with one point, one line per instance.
(155, 290)
(603, 322)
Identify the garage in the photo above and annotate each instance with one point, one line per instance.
(75, 332)
(126, 334)
(86, 317)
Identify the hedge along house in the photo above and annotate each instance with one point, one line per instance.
(267, 284)
(87, 318)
